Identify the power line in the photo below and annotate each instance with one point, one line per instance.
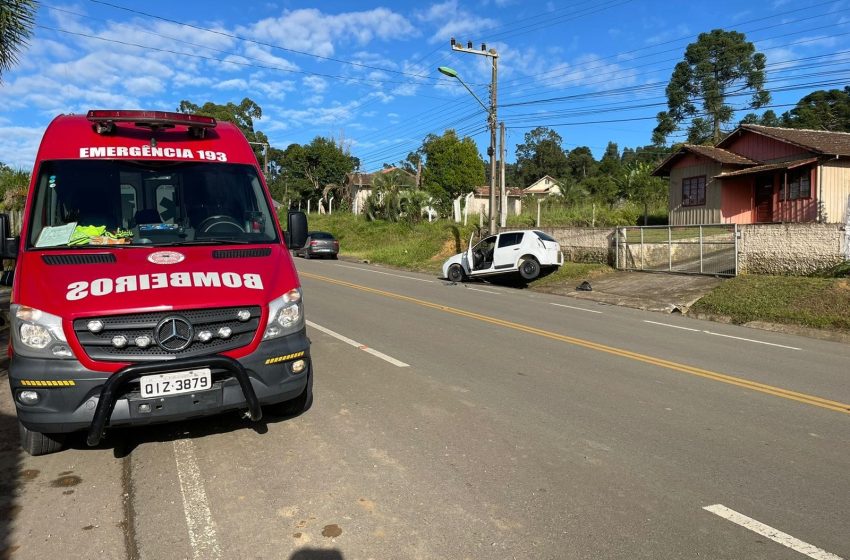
(211, 58)
(261, 43)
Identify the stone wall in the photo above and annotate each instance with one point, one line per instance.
(795, 249)
(792, 249)
(582, 244)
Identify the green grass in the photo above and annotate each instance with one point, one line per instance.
(822, 303)
(423, 246)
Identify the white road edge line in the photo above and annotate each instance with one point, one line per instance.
(485, 291)
(577, 308)
(723, 335)
(202, 535)
(385, 273)
(671, 326)
(751, 340)
(775, 535)
(359, 346)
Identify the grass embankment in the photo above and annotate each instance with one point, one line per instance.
(422, 247)
(821, 301)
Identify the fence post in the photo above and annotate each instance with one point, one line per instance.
(669, 248)
(616, 248)
(700, 250)
(736, 249)
(641, 248)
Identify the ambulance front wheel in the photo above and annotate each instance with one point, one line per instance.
(293, 407)
(36, 443)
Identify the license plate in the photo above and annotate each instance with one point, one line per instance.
(175, 383)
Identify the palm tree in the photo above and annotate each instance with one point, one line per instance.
(17, 18)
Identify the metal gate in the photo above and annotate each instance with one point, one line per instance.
(708, 249)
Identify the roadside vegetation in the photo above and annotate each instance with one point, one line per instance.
(819, 301)
(421, 246)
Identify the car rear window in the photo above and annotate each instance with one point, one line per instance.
(544, 236)
(321, 235)
(508, 239)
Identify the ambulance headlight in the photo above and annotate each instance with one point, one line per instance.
(286, 315)
(38, 334)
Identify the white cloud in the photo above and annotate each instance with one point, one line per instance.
(19, 144)
(143, 86)
(236, 83)
(264, 56)
(314, 32)
(316, 84)
(454, 21)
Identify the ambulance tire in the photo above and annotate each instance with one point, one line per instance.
(293, 407)
(36, 443)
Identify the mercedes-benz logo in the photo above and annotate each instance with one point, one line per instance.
(174, 334)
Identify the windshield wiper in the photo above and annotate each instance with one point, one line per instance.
(206, 241)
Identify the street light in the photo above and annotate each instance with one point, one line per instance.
(491, 122)
(452, 73)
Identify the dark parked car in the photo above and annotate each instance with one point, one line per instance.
(319, 244)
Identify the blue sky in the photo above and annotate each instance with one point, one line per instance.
(365, 73)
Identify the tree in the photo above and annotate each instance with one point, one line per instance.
(821, 110)
(651, 154)
(610, 163)
(17, 18)
(452, 166)
(580, 163)
(14, 184)
(637, 184)
(719, 65)
(768, 118)
(241, 115)
(541, 154)
(603, 188)
(394, 197)
(312, 170)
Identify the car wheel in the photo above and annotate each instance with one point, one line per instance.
(293, 407)
(456, 273)
(529, 269)
(36, 443)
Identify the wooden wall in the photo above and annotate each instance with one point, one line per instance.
(709, 213)
(764, 149)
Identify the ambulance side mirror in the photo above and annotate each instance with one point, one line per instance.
(296, 229)
(8, 244)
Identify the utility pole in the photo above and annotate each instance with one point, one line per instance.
(491, 120)
(503, 189)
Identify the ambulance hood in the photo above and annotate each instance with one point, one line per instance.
(135, 279)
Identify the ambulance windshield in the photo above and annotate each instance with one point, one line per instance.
(106, 202)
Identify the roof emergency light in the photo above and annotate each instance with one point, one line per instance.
(104, 120)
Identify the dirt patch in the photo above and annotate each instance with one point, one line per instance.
(448, 249)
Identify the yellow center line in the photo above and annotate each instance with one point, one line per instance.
(723, 378)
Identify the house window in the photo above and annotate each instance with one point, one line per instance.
(799, 186)
(693, 191)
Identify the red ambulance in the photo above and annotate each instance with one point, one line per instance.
(152, 280)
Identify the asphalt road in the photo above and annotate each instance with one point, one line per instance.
(475, 421)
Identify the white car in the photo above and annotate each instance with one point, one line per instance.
(524, 252)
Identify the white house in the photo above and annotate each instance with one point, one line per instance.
(543, 187)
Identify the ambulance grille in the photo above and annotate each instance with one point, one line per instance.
(90, 258)
(241, 253)
(100, 345)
